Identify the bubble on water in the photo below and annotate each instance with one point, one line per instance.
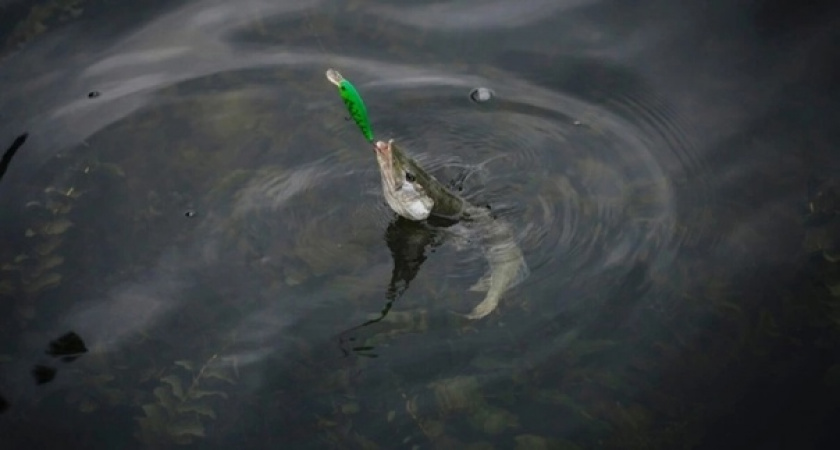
(481, 94)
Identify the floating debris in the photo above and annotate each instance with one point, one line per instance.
(481, 95)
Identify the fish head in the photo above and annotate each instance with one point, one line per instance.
(402, 182)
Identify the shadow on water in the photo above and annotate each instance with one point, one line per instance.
(193, 202)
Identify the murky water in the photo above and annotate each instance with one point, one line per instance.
(192, 203)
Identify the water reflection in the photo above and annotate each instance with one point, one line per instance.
(408, 243)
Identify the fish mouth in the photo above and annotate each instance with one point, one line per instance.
(385, 158)
(383, 148)
(384, 155)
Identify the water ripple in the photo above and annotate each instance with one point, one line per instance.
(589, 185)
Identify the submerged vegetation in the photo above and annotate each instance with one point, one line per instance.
(183, 404)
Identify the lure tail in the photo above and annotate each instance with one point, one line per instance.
(353, 101)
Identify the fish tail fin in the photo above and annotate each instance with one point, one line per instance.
(485, 307)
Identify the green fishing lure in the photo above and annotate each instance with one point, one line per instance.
(353, 101)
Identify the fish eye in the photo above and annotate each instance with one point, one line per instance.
(409, 177)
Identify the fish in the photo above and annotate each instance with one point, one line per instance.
(414, 194)
(353, 101)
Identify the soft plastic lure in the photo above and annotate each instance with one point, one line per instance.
(353, 101)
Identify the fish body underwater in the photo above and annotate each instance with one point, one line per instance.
(416, 195)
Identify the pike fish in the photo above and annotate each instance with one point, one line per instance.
(416, 195)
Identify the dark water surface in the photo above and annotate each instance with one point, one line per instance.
(192, 231)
